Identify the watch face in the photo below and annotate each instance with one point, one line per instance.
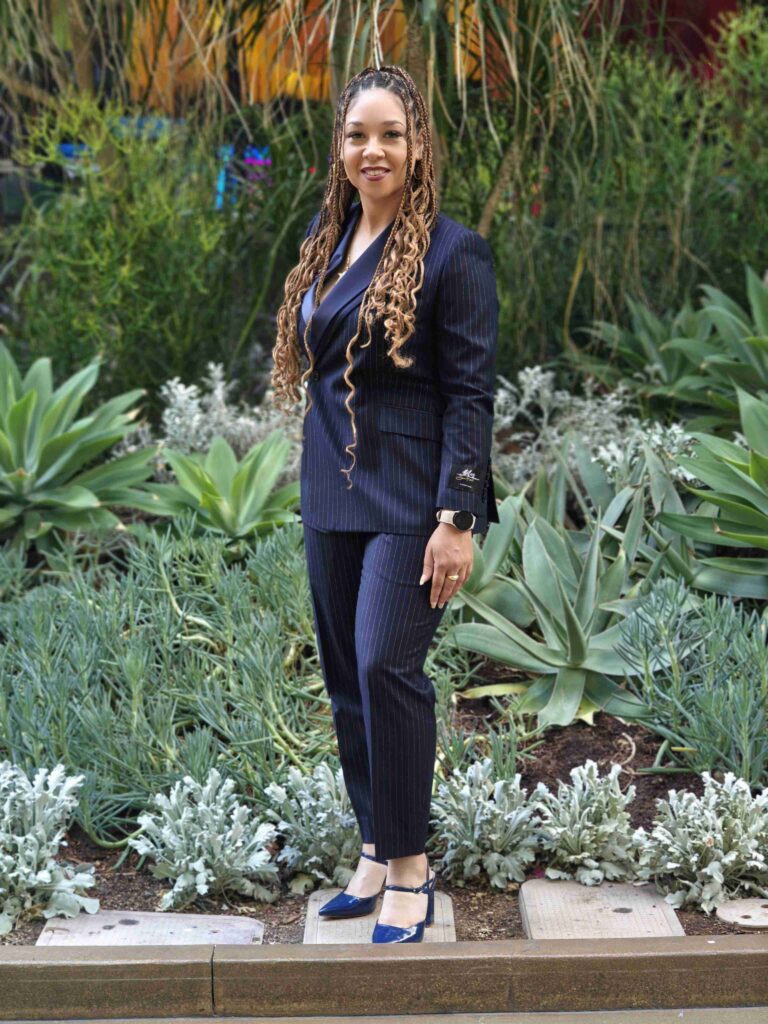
(462, 520)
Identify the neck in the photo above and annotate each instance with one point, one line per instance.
(374, 217)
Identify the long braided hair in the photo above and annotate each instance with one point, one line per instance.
(392, 292)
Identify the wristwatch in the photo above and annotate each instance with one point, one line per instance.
(460, 518)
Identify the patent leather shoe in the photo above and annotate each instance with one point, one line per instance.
(414, 932)
(344, 904)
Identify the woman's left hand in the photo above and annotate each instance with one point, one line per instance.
(449, 551)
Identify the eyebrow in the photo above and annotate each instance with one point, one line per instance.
(383, 122)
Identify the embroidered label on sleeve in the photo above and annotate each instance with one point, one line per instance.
(466, 478)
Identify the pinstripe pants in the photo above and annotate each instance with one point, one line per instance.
(374, 625)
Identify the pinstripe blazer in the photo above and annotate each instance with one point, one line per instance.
(423, 432)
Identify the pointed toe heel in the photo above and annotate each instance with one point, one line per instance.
(345, 905)
(415, 932)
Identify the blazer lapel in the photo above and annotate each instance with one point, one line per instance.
(345, 292)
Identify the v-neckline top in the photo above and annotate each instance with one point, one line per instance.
(340, 252)
(346, 289)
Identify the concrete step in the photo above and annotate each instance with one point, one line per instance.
(715, 1015)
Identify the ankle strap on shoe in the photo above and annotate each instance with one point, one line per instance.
(424, 887)
(370, 856)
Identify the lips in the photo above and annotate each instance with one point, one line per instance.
(375, 173)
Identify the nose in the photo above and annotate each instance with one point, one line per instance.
(371, 153)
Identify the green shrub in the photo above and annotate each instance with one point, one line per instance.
(701, 668)
(132, 261)
(482, 823)
(705, 850)
(313, 814)
(35, 815)
(585, 828)
(206, 842)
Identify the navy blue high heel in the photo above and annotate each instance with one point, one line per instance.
(415, 932)
(345, 905)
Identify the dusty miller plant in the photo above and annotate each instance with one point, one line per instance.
(33, 819)
(207, 842)
(619, 456)
(585, 828)
(544, 419)
(708, 849)
(482, 824)
(314, 815)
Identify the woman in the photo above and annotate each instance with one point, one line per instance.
(416, 397)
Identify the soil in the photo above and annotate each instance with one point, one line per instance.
(480, 912)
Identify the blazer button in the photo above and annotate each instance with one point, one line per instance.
(315, 375)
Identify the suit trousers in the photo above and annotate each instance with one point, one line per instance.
(374, 625)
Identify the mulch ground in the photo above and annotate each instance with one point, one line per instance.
(479, 911)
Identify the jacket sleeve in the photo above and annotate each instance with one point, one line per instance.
(466, 319)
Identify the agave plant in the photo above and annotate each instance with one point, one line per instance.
(699, 358)
(486, 582)
(43, 449)
(734, 511)
(230, 497)
(575, 598)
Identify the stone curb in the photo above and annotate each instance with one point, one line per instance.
(516, 975)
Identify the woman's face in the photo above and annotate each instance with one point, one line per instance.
(374, 136)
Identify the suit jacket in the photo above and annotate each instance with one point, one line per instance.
(423, 433)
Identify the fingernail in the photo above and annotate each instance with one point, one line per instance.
(423, 577)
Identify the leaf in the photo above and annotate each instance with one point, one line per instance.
(485, 639)
(17, 424)
(221, 465)
(565, 697)
(70, 497)
(754, 421)
(577, 642)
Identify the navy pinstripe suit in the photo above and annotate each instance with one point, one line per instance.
(423, 442)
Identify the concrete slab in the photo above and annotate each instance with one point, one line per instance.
(558, 909)
(147, 928)
(746, 913)
(359, 929)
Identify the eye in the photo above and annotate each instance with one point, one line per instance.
(392, 131)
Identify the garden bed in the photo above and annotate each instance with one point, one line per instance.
(481, 913)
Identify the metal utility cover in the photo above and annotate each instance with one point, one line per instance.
(147, 928)
(558, 909)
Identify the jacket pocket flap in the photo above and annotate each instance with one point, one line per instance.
(414, 422)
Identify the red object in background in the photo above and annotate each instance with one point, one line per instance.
(689, 27)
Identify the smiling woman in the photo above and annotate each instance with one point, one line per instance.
(410, 275)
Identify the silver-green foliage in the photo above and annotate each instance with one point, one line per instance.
(705, 850)
(701, 667)
(206, 841)
(33, 819)
(482, 824)
(315, 817)
(585, 831)
(167, 664)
